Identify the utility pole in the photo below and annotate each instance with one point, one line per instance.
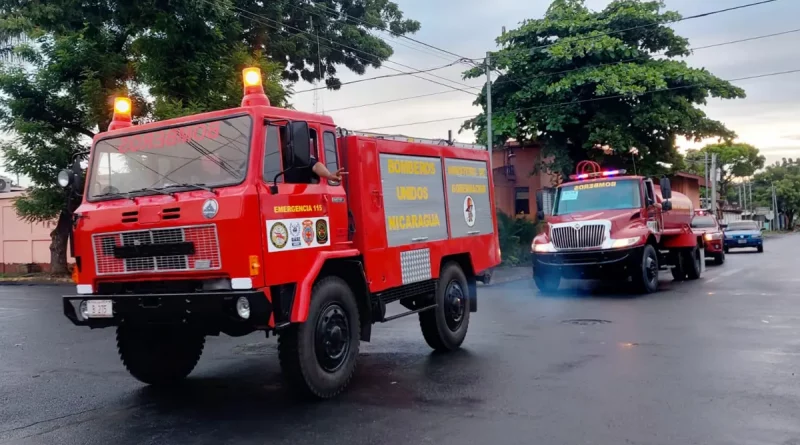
(705, 174)
(714, 184)
(775, 215)
(750, 198)
(489, 137)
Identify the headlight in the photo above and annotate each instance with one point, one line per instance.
(625, 242)
(755, 235)
(541, 248)
(712, 236)
(64, 178)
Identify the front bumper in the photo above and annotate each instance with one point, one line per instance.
(713, 246)
(214, 310)
(589, 264)
(748, 242)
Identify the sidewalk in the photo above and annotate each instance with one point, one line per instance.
(506, 274)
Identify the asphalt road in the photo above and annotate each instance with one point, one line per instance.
(708, 362)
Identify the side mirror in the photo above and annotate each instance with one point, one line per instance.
(723, 226)
(666, 188)
(539, 205)
(300, 144)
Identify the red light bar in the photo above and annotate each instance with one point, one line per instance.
(604, 174)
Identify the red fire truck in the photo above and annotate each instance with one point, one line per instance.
(606, 225)
(212, 224)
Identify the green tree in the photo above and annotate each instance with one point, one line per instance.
(72, 57)
(576, 78)
(785, 176)
(734, 159)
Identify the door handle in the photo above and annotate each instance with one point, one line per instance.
(419, 239)
(473, 232)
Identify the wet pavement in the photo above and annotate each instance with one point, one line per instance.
(710, 362)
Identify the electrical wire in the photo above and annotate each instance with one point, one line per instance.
(385, 76)
(714, 45)
(277, 25)
(596, 99)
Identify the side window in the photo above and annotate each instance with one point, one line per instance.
(331, 159)
(649, 192)
(272, 154)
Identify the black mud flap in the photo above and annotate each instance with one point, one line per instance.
(472, 284)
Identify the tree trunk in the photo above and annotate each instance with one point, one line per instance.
(58, 246)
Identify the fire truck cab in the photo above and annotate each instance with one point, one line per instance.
(216, 223)
(608, 226)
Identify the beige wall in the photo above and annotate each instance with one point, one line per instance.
(523, 163)
(22, 242)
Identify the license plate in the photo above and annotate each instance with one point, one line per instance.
(742, 241)
(100, 308)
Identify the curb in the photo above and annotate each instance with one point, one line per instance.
(33, 283)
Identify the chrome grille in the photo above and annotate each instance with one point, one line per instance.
(205, 257)
(570, 237)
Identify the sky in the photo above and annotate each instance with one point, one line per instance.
(766, 118)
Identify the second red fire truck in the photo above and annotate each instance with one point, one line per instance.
(610, 226)
(218, 223)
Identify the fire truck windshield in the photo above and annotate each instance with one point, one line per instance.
(610, 194)
(202, 154)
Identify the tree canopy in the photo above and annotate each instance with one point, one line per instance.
(577, 78)
(734, 159)
(65, 60)
(785, 176)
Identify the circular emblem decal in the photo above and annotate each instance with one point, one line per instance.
(469, 211)
(210, 208)
(322, 231)
(308, 231)
(278, 235)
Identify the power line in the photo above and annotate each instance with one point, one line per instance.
(385, 76)
(277, 25)
(715, 45)
(596, 99)
(399, 36)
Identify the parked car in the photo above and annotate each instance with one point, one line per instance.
(740, 234)
(709, 227)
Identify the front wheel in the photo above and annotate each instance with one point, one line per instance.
(646, 278)
(318, 357)
(719, 259)
(546, 281)
(445, 326)
(761, 249)
(159, 355)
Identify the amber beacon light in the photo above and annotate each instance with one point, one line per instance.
(253, 88)
(122, 114)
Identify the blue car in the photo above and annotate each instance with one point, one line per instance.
(743, 234)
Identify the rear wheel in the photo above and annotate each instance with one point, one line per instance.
(679, 269)
(646, 279)
(318, 357)
(445, 326)
(546, 281)
(159, 355)
(693, 264)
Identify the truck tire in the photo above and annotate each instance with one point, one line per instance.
(646, 280)
(691, 261)
(445, 326)
(546, 281)
(678, 269)
(159, 355)
(318, 357)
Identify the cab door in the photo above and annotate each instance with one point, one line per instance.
(654, 215)
(301, 218)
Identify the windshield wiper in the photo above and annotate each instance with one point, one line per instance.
(199, 186)
(111, 195)
(158, 191)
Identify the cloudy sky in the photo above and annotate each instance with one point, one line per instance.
(767, 118)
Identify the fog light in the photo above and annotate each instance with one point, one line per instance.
(243, 307)
(84, 309)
